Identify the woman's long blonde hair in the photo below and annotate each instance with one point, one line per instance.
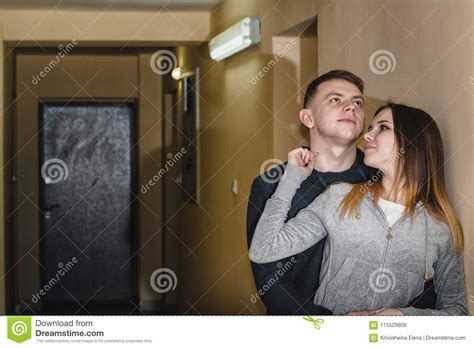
(421, 168)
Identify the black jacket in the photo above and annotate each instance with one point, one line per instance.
(287, 287)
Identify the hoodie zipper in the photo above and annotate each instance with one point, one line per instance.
(389, 237)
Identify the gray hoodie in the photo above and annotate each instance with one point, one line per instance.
(366, 264)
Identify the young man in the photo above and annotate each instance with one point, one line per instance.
(334, 115)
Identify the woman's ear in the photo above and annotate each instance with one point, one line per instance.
(306, 118)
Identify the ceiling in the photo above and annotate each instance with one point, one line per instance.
(113, 4)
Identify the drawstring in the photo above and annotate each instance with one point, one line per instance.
(426, 276)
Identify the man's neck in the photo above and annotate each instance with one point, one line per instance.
(333, 157)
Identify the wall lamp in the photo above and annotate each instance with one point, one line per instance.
(179, 73)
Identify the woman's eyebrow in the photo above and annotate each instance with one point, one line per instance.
(378, 122)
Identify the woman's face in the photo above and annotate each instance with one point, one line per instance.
(380, 147)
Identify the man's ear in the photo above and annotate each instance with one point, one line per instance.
(306, 118)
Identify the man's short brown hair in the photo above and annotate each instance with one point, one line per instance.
(331, 75)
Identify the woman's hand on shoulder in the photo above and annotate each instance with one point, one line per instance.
(303, 159)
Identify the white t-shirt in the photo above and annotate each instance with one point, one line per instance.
(392, 211)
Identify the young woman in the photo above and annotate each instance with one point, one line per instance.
(386, 237)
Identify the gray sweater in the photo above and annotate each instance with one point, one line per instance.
(366, 264)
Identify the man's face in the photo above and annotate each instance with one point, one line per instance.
(337, 110)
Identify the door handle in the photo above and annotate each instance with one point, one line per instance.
(48, 209)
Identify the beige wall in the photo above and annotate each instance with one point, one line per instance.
(239, 121)
(235, 137)
(291, 74)
(105, 28)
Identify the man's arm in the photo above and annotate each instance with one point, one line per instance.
(273, 279)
